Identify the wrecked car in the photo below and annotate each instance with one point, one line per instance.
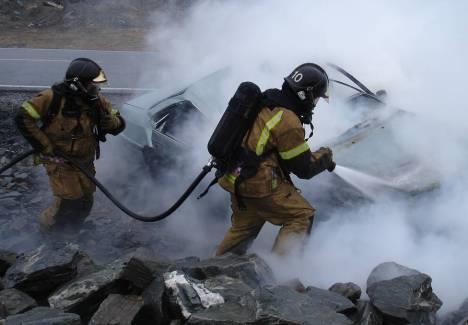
(369, 155)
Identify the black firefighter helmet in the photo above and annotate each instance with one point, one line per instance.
(86, 71)
(309, 82)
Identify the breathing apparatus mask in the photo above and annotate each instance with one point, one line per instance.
(83, 78)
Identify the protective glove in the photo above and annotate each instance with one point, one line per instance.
(326, 158)
(48, 154)
(110, 122)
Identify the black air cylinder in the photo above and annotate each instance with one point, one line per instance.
(238, 118)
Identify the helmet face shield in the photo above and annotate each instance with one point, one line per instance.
(326, 95)
(101, 77)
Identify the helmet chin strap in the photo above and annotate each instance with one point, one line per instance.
(307, 119)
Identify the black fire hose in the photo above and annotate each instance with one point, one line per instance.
(17, 160)
(206, 169)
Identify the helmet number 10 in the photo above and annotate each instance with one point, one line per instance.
(297, 76)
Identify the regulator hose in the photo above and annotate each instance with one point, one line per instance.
(206, 169)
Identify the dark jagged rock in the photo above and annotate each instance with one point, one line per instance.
(41, 271)
(44, 316)
(265, 305)
(6, 260)
(295, 284)
(227, 313)
(406, 299)
(154, 310)
(3, 313)
(330, 299)
(239, 304)
(251, 269)
(388, 271)
(283, 305)
(366, 314)
(464, 321)
(83, 295)
(231, 289)
(188, 295)
(15, 302)
(153, 296)
(457, 316)
(349, 290)
(156, 264)
(187, 261)
(85, 265)
(117, 309)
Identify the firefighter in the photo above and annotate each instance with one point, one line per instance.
(278, 140)
(71, 117)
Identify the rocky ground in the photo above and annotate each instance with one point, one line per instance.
(110, 272)
(60, 284)
(81, 24)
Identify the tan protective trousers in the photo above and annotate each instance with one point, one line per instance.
(73, 193)
(285, 208)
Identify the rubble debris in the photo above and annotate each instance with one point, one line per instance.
(15, 302)
(53, 4)
(117, 309)
(239, 305)
(153, 308)
(251, 269)
(43, 316)
(283, 305)
(227, 313)
(83, 295)
(330, 299)
(188, 294)
(41, 271)
(3, 313)
(6, 260)
(349, 290)
(388, 271)
(406, 299)
(156, 264)
(367, 314)
(295, 284)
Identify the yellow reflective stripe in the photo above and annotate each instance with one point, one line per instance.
(265, 135)
(294, 152)
(230, 178)
(31, 110)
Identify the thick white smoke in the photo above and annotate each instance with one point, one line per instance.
(415, 50)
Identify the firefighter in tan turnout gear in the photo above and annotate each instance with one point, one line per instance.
(278, 137)
(71, 117)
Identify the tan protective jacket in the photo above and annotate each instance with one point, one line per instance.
(71, 135)
(276, 131)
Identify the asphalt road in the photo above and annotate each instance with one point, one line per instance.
(22, 68)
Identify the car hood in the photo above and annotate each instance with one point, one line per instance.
(376, 153)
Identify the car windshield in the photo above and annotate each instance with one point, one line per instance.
(170, 120)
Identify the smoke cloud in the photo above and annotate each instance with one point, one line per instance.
(415, 50)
